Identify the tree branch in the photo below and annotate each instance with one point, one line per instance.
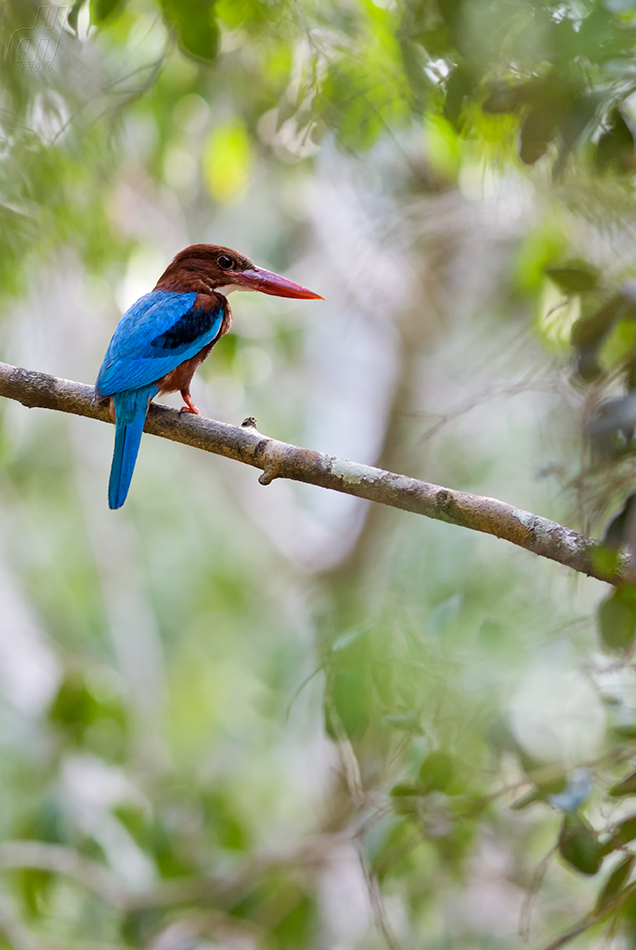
(281, 460)
(52, 857)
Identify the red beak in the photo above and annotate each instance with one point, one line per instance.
(270, 283)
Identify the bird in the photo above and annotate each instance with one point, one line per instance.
(163, 338)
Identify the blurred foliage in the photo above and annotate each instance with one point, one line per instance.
(223, 832)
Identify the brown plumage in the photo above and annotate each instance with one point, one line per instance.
(202, 269)
(171, 331)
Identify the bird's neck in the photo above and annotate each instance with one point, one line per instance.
(186, 280)
(182, 283)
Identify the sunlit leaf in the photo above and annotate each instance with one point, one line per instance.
(620, 344)
(227, 161)
(606, 559)
(443, 146)
(556, 316)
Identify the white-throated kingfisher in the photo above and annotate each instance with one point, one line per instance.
(164, 337)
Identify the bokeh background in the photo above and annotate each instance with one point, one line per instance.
(245, 718)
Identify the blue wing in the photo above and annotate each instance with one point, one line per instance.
(159, 332)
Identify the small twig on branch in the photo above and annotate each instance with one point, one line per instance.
(60, 860)
(281, 460)
(14, 855)
(588, 921)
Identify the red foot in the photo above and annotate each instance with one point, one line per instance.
(189, 405)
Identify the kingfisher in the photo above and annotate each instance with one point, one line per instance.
(163, 338)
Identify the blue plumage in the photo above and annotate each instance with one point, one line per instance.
(157, 334)
(162, 339)
(131, 360)
(130, 410)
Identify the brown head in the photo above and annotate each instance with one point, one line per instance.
(223, 270)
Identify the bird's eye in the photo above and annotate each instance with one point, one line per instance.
(224, 262)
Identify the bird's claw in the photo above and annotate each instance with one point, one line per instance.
(189, 405)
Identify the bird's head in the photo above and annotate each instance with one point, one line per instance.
(223, 270)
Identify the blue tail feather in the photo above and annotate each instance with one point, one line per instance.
(131, 408)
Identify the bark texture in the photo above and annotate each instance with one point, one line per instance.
(280, 460)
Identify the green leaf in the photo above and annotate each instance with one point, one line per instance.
(459, 87)
(437, 771)
(405, 795)
(575, 277)
(526, 800)
(619, 876)
(625, 833)
(227, 160)
(591, 329)
(404, 788)
(348, 696)
(620, 345)
(624, 732)
(579, 845)
(538, 130)
(74, 14)
(502, 98)
(581, 117)
(616, 534)
(406, 721)
(617, 619)
(195, 24)
(616, 147)
(102, 10)
(345, 640)
(391, 854)
(606, 559)
(626, 786)
(468, 806)
(436, 42)
(35, 885)
(74, 708)
(292, 928)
